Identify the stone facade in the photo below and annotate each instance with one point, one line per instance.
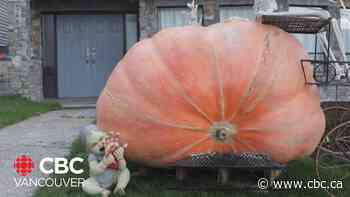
(5, 75)
(23, 70)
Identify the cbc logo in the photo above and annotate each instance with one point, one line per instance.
(60, 165)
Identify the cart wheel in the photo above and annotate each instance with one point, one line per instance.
(320, 73)
(332, 157)
(335, 115)
(337, 137)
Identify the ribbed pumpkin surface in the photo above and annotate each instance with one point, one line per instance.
(231, 87)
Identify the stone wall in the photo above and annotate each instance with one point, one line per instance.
(24, 71)
(5, 73)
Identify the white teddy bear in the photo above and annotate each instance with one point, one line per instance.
(106, 164)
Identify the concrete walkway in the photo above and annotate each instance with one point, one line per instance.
(48, 135)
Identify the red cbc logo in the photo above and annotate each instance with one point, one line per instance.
(23, 165)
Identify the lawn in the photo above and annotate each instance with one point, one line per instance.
(14, 109)
(157, 182)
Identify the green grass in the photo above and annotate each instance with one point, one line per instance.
(157, 182)
(14, 109)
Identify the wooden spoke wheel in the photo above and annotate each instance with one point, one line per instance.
(332, 157)
(337, 137)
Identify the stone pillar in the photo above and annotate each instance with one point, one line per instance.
(26, 70)
(36, 89)
(5, 88)
(148, 19)
(211, 12)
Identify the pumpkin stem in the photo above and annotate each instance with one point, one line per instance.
(223, 131)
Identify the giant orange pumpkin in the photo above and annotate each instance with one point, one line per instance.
(232, 87)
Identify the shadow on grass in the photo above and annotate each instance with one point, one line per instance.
(157, 181)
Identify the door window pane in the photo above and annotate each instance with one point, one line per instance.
(176, 17)
(131, 30)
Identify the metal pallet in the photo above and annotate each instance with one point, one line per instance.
(223, 165)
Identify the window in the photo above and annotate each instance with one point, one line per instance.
(231, 12)
(247, 12)
(3, 29)
(345, 26)
(175, 17)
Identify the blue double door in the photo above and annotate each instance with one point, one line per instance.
(88, 48)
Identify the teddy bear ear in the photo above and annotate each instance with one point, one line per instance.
(125, 145)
